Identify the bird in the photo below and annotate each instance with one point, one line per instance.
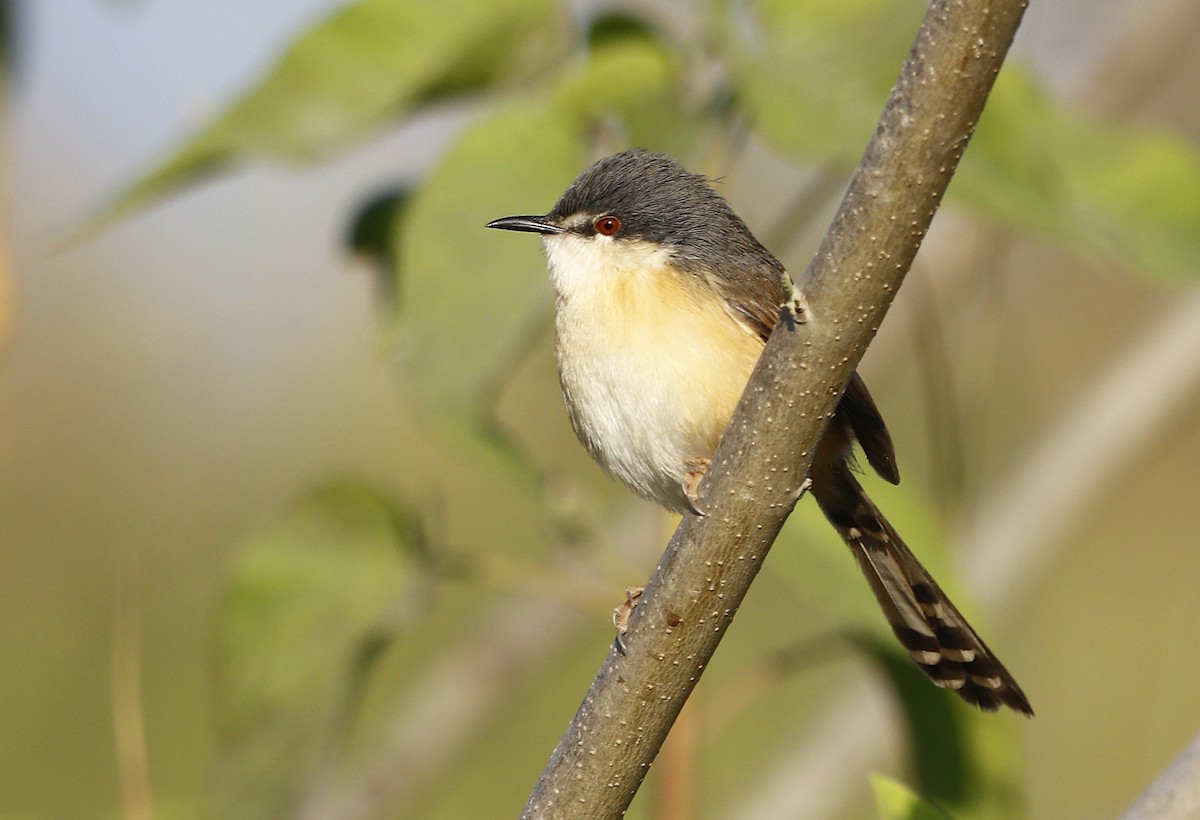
(664, 300)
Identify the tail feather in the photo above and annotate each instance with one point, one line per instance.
(937, 636)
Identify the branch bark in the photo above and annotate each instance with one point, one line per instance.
(1176, 793)
(757, 474)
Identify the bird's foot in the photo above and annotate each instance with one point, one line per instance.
(697, 468)
(794, 310)
(621, 615)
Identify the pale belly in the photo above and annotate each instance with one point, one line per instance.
(651, 375)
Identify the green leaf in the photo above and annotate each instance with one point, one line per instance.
(939, 742)
(472, 297)
(369, 62)
(372, 236)
(814, 75)
(1100, 188)
(310, 604)
(630, 83)
(896, 801)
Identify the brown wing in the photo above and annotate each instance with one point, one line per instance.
(758, 306)
(860, 412)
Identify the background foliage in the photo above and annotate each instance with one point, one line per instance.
(415, 562)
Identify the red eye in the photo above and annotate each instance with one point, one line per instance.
(608, 225)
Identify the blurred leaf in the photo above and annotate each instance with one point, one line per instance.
(618, 26)
(1101, 188)
(620, 74)
(372, 236)
(472, 297)
(940, 746)
(630, 83)
(896, 801)
(814, 75)
(311, 602)
(373, 60)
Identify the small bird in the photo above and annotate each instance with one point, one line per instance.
(664, 302)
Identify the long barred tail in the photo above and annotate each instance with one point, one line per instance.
(927, 623)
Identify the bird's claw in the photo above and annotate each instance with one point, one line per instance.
(697, 469)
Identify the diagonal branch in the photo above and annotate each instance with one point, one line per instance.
(756, 476)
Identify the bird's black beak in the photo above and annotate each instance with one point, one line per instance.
(531, 224)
